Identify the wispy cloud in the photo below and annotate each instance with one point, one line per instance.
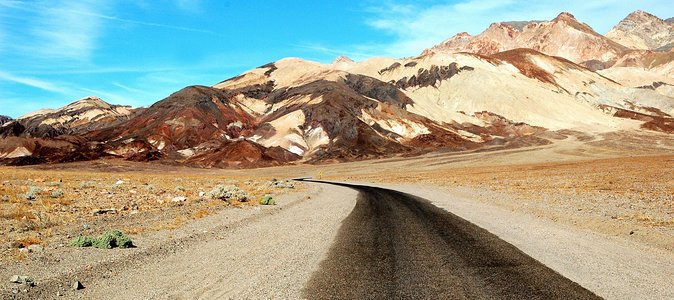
(192, 6)
(67, 29)
(130, 89)
(416, 27)
(129, 21)
(32, 82)
(60, 31)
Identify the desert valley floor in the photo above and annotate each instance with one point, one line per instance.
(597, 209)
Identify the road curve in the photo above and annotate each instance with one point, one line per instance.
(397, 246)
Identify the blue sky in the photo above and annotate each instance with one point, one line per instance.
(137, 52)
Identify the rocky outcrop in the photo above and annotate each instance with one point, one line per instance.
(4, 119)
(431, 77)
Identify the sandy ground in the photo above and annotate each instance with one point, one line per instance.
(250, 252)
(271, 257)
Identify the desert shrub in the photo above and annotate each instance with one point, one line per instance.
(57, 193)
(228, 193)
(32, 193)
(180, 188)
(87, 184)
(55, 183)
(81, 241)
(108, 240)
(275, 183)
(149, 187)
(4, 198)
(267, 200)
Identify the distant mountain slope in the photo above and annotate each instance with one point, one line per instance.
(78, 117)
(564, 36)
(643, 31)
(4, 119)
(197, 121)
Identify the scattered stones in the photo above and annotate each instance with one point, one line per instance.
(179, 199)
(119, 182)
(275, 183)
(35, 248)
(202, 194)
(22, 279)
(77, 285)
(103, 211)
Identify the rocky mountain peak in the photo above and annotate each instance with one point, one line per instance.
(563, 36)
(643, 31)
(88, 102)
(638, 14)
(342, 59)
(565, 16)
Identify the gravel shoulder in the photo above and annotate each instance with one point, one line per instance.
(251, 252)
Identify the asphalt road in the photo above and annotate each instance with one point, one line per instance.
(397, 246)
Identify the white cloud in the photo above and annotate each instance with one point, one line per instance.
(61, 31)
(417, 27)
(192, 6)
(32, 82)
(113, 18)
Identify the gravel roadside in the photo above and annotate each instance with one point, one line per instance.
(269, 257)
(260, 251)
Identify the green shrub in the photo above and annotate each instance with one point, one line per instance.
(108, 240)
(267, 200)
(81, 241)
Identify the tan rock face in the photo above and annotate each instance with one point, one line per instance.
(564, 36)
(643, 31)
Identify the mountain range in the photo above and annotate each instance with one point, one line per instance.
(513, 85)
